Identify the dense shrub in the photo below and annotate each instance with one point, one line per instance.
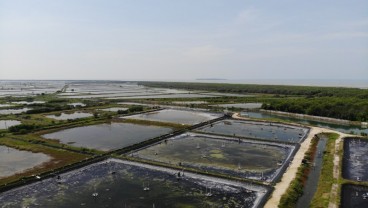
(23, 128)
(135, 108)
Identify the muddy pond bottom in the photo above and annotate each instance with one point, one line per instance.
(242, 158)
(117, 183)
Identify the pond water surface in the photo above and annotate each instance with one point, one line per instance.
(14, 111)
(77, 104)
(166, 96)
(219, 154)
(240, 105)
(189, 102)
(311, 184)
(28, 102)
(117, 183)
(176, 116)
(355, 159)
(107, 136)
(114, 109)
(66, 116)
(4, 124)
(258, 130)
(5, 105)
(14, 161)
(353, 196)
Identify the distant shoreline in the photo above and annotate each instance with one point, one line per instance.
(362, 84)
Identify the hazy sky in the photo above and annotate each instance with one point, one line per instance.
(183, 39)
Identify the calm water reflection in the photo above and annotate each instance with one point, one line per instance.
(107, 136)
(13, 161)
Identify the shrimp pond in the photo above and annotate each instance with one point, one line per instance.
(220, 155)
(257, 130)
(118, 183)
(354, 196)
(176, 116)
(107, 136)
(13, 161)
(4, 124)
(355, 163)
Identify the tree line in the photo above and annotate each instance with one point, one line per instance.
(334, 102)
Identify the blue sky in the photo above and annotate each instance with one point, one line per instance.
(165, 39)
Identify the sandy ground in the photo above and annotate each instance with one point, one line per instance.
(289, 175)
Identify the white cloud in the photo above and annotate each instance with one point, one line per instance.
(247, 16)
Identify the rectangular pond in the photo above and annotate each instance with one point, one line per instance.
(240, 105)
(14, 161)
(114, 109)
(355, 159)
(14, 111)
(66, 116)
(257, 130)
(107, 136)
(176, 116)
(5, 105)
(189, 102)
(77, 104)
(235, 157)
(28, 102)
(354, 196)
(118, 183)
(5, 124)
(166, 96)
(134, 103)
(226, 94)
